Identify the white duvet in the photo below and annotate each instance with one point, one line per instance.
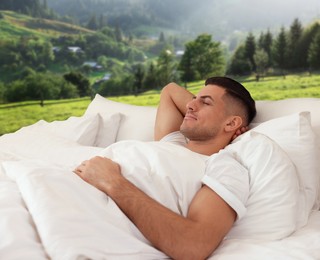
(47, 212)
(76, 221)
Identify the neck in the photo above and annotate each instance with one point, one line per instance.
(207, 147)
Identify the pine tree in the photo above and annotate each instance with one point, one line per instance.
(138, 78)
(239, 63)
(280, 51)
(250, 49)
(295, 34)
(150, 80)
(161, 37)
(92, 24)
(118, 34)
(304, 44)
(314, 52)
(267, 46)
(186, 65)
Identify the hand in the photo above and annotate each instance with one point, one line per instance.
(240, 131)
(100, 172)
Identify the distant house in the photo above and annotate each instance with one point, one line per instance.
(106, 77)
(56, 49)
(179, 53)
(75, 49)
(72, 49)
(92, 64)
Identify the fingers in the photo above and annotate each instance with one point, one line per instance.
(240, 131)
(78, 170)
(84, 163)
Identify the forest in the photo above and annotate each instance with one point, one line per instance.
(49, 55)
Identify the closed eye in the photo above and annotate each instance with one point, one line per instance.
(207, 100)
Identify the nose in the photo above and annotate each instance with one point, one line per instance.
(191, 105)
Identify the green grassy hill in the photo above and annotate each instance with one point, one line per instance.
(14, 25)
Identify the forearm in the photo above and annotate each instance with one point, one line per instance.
(178, 96)
(171, 109)
(175, 235)
(193, 237)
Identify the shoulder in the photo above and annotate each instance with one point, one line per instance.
(229, 179)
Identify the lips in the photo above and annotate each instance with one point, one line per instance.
(190, 116)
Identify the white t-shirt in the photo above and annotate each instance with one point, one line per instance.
(223, 174)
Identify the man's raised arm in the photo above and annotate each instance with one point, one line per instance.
(171, 110)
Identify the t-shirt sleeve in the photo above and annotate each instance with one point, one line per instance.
(229, 179)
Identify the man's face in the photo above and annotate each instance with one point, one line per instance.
(206, 114)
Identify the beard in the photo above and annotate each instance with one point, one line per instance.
(199, 133)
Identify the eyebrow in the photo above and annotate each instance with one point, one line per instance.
(206, 96)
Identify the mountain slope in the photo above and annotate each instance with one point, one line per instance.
(14, 25)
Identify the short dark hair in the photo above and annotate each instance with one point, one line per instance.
(236, 90)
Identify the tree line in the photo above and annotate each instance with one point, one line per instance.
(293, 49)
(202, 57)
(34, 8)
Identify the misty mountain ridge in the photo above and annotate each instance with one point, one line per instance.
(219, 18)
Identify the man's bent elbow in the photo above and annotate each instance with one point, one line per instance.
(167, 89)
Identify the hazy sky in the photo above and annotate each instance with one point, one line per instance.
(231, 20)
(271, 11)
(253, 14)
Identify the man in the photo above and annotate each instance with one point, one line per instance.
(205, 124)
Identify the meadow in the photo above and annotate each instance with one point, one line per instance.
(13, 116)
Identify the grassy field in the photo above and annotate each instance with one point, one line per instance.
(16, 115)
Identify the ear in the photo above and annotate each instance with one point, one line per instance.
(233, 123)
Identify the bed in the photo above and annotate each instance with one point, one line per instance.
(47, 212)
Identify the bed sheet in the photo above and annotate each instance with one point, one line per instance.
(24, 237)
(304, 244)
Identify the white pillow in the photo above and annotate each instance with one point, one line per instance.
(108, 130)
(82, 130)
(270, 109)
(46, 147)
(296, 137)
(137, 122)
(273, 199)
